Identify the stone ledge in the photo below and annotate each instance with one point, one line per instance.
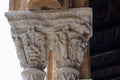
(83, 13)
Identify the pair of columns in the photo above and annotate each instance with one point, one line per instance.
(65, 32)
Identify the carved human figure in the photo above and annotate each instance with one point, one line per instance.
(69, 47)
(68, 42)
(32, 54)
(66, 32)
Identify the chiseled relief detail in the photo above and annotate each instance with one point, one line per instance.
(70, 44)
(33, 74)
(31, 49)
(66, 33)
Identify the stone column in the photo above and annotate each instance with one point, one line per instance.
(66, 32)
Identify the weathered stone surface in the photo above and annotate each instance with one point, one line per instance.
(67, 73)
(33, 74)
(66, 32)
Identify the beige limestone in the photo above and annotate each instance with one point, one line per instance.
(66, 32)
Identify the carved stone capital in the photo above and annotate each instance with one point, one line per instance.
(66, 32)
